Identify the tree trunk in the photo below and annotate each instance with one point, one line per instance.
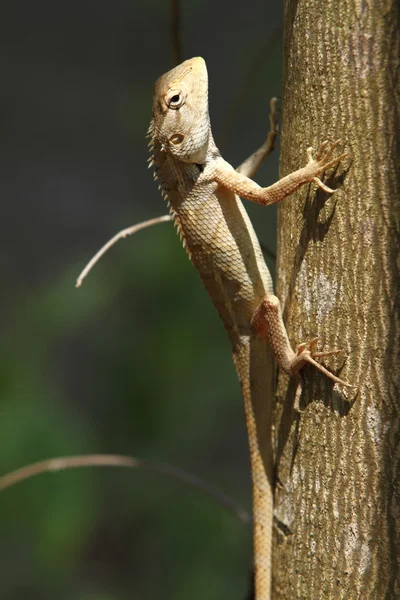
(337, 503)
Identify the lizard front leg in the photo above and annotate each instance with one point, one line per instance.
(235, 181)
(267, 322)
(249, 166)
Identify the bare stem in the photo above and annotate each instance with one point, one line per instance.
(175, 31)
(115, 460)
(122, 234)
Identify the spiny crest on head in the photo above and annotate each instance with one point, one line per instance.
(150, 135)
(150, 131)
(152, 164)
(180, 102)
(150, 160)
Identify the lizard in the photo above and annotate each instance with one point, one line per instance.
(204, 195)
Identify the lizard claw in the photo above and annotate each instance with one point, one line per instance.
(310, 151)
(311, 345)
(300, 348)
(306, 353)
(321, 150)
(323, 160)
(321, 156)
(324, 187)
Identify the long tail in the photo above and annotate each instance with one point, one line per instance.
(254, 365)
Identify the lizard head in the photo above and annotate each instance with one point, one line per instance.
(180, 111)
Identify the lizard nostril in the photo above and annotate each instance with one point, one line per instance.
(176, 139)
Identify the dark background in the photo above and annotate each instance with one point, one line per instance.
(136, 361)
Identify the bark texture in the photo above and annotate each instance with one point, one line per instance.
(337, 504)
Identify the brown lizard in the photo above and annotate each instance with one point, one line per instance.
(203, 194)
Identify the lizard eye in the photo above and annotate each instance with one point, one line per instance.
(175, 99)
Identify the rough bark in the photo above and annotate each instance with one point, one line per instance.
(337, 531)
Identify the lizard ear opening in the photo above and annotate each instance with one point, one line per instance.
(174, 98)
(176, 139)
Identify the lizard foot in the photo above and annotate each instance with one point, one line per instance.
(267, 322)
(322, 161)
(305, 353)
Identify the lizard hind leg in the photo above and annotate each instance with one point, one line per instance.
(267, 321)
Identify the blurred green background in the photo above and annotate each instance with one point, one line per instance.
(136, 361)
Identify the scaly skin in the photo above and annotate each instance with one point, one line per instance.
(203, 194)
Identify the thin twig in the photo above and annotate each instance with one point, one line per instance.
(115, 460)
(175, 31)
(247, 166)
(122, 234)
(257, 64)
